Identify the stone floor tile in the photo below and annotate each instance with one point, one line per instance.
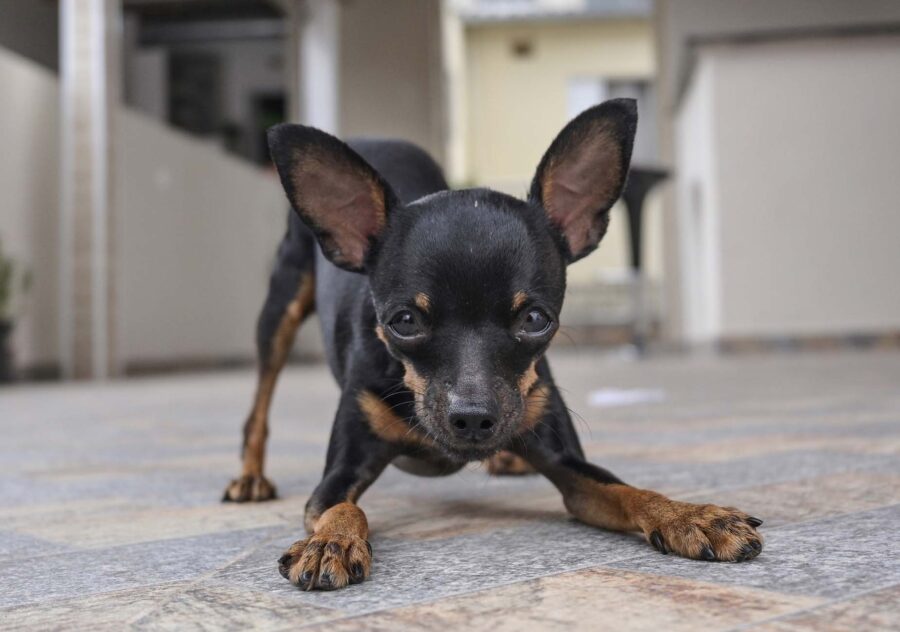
(406, 571)
(110, 513)
(809, 499)
(834, 558)
(591, 599)
(148, 524)
(59, 574)
(872, 612)
(14, 545)
(223, 608)
(105, 611)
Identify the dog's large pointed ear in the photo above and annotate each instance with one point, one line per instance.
(336, 193)
(583, 173)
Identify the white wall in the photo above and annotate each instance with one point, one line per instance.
(698, 208)
(196, 231)
(682, 20)
(29, 178)
(679, 22)
(806, 149)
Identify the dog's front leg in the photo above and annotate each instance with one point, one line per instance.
(597, 497)
(337, 551)
(703, 532)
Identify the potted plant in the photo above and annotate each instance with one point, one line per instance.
(13, 282)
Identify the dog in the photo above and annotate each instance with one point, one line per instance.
(436, 309)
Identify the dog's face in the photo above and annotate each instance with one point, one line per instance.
(467, 285)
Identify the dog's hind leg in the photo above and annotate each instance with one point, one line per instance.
(505, 463)
(290, 300)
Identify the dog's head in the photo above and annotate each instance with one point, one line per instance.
(467, 285)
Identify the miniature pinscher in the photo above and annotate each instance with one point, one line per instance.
(436, 309)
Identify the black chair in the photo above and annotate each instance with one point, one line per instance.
(641, 181)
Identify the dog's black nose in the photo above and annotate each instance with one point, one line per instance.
(472, 423)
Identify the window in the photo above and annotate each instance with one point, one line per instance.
(584, 92)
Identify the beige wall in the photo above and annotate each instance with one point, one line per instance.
(390, 79)
(805, 147)
(196, 231)
(516, 106)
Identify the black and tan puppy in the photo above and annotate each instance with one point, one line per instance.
(437, 307)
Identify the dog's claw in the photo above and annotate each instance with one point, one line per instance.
(707, 554)
(747, 551)
(658, 543)
(754, 522)
(305, 580)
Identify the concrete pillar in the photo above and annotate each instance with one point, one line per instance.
(319, 67)
(674, 316)
(294, 17)
(453, 58)
(89, 94)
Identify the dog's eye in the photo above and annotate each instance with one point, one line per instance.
(536, 322)
(405, 325)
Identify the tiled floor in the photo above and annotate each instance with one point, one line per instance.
(109, 512)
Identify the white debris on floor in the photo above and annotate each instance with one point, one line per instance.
(612, 397)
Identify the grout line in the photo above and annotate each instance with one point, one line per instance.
(191, 583)
(114, 591)
(450, 595)
(77, 550)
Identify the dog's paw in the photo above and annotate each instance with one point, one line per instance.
(703, 532)
(508, 464)
(326, 562)
(249, 489)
